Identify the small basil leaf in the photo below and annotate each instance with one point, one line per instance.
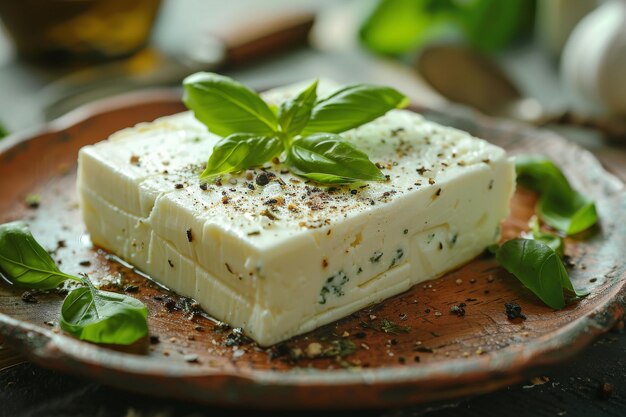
(24, 262)
(327, 158)
(560, 206)
(294, 114)
(226, 106)
(353, 106)
(240, 151)
(103, 317)
(539, 268)
(569, 212)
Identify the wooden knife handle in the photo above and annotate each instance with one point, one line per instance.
(256, 39)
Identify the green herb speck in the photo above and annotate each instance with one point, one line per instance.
(389, 326)
(376, 257)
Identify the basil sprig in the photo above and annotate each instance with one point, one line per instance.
(87, 313)
(304, 127)
(560, 206)
(553, 240)
(537, 260)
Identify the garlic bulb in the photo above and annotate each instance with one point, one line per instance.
(594, 60)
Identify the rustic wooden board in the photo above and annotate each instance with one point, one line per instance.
(189, 356)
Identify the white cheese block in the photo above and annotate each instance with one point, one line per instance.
(284, 258)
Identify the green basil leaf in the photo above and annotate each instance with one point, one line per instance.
(294, 114)
(568, 212)
(103, 317)
(226, 106)
(539, 268)
(87, 313)
(240, 151)
(351, 107)
(24, 262)
(560, 206)
(327, 158)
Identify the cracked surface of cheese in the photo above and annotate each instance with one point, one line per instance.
(284, 258)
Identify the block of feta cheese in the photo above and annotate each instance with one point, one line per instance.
(275, 254)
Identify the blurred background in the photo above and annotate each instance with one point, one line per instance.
(547, 62)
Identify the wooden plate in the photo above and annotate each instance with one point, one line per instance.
(431, 354)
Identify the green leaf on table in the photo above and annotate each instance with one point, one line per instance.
(90, 314)
(240, 151)
(24, 262)
(539, 268)
(569, 212)
(103, 317)
(327, 158)
(351, 107)
(560, 206)
(294, 114)
(226, 106)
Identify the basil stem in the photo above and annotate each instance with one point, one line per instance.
(551, 239)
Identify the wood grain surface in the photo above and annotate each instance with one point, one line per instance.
(430, 354)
